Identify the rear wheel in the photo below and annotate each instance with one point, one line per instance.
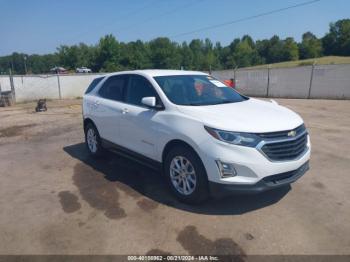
(186, 175)
(93, 140)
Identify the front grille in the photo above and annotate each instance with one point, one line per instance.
(282, 134)
(287, 149)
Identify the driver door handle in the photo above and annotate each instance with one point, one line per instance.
(125, 111)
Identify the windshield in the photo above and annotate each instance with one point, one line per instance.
(197, 90)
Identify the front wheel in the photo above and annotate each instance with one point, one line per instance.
(93, 141)
(186, 175)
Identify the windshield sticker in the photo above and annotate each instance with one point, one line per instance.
(217, 83)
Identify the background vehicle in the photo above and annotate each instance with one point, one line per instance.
(206, 137)
(83, 70)
(58, 70)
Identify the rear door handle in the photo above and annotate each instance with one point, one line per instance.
(125, 111)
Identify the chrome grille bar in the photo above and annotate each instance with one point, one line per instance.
(277, 146)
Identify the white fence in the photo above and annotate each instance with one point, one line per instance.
(320, 81)
(34, 87)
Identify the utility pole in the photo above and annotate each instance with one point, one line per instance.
(13, 91)
(58, 85)
(12, 67)
(311, 79)
(25, 64)
(268, 80)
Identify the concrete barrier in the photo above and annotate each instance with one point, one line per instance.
(75, 85)
(5, 83)
(252, 82)
(224, 74)
(33, 87)
(290, 82)
(320, 81)
(331, 81)
(29, 88)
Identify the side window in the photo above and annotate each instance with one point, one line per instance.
(93, 84)
(113, 87)
(139, 88)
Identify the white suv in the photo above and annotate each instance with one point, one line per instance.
(83, 70)
(204, 136)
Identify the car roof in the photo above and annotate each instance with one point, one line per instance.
(159, 72)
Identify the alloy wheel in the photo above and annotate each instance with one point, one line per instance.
(91, 138)
(183, 175)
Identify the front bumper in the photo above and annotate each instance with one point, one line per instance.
(267, 183)
(251, 165)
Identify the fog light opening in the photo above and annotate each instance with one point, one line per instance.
(226, 169)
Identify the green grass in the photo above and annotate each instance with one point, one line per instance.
(318, 61)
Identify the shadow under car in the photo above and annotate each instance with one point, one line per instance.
(151, 184)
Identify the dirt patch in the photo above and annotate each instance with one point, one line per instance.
(249, 236)
(70, 202)
(98, 192)
(197, 244)
(47, 167)
(147, 204)
(319, 185)
(14, 130)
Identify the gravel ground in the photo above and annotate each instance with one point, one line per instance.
(54, 199)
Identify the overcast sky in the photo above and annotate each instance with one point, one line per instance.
(39, 26)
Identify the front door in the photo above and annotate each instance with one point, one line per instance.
(138, 125)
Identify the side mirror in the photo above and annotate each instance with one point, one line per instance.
(149, 101)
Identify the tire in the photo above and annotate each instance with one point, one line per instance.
(195, 189)
(93, 141)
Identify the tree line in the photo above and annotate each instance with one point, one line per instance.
(110, 55)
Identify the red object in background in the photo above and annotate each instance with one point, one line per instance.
(230, 83)
(199, 87)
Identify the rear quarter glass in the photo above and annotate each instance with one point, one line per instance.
(93, 84)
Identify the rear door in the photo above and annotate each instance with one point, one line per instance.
(109, 107)
(89, 100)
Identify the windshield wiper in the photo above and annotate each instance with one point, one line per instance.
(194, 104)
(209, 104)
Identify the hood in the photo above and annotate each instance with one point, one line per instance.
(253, 115)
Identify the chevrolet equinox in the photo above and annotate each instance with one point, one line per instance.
(205, 137)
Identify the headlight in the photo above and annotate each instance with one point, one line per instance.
(236, 138)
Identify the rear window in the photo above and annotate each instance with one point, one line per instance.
(113, 87)
(93, 84)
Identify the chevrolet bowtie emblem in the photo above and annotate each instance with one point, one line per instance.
(292, 133)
